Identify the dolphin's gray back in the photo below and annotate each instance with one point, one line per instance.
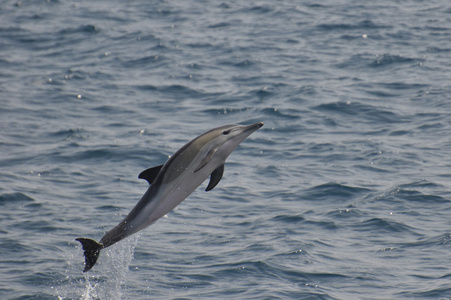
(181, 160)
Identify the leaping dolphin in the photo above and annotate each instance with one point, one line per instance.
(172, 182)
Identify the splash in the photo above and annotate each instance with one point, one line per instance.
(106, 281)
(117, 259)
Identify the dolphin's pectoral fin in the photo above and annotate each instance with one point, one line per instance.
(207, 159)
(91, 250)
(150, 174)
(215, 177)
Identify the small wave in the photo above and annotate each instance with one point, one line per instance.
(346, 213)
(366, 112)
(438, 50)
(389, 59)
(145, 62)
(413, 193)
(333, 190)
(257, 9)
(288, 114)
(382, 225)
(70, 134)
(81, 29)
(365, 24)
(175, 91)
(429, 242)
(105, 153)
(219, 25)
(40, 226)
(13, 245)
(289, 218)
(404, 86)
(14, 198)
(240, 63)
(359, 61)
(420, 197)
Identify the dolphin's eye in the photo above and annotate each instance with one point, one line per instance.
(226, 132)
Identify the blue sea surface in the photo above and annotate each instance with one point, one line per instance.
(345, 192)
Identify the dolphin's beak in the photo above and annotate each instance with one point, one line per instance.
(254, 127)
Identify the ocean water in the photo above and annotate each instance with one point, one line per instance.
(345, 192)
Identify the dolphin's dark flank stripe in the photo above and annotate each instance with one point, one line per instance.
(172, 182)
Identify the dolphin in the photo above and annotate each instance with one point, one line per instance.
(172, 182)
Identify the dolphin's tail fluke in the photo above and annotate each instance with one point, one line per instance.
(92, 250)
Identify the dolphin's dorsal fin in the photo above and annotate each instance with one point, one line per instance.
(215, 177)
(150, 174)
